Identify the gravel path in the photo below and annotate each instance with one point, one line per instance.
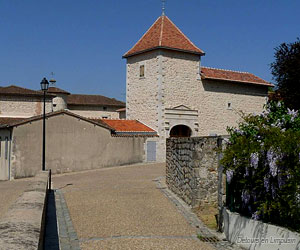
(123, 208)
(10, 191)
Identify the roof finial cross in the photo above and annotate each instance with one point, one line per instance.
(163, 6)
(52, 80)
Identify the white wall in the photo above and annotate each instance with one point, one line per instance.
(256, 235)
(15, 106)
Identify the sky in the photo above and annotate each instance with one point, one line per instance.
(82, 41)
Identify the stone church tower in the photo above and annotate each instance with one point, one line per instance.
(168, 90)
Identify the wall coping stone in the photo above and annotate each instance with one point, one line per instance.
(22, 227)
(251, 234)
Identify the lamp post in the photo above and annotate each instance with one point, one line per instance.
(44, 88)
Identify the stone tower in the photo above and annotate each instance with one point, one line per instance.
(59, 102)
(169, 90)
(163, 69)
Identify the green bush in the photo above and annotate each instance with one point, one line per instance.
(262, 166)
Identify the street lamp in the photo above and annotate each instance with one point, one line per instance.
(44, 88)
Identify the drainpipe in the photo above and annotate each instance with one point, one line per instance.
(9, 153)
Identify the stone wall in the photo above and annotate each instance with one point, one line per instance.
(95, 111)
(14, 106)
(192, 169)
(144, 98)
(182, 85)
(22, 227)
(141, 92)
(172, 79)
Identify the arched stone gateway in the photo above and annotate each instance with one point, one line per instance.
(180, 131)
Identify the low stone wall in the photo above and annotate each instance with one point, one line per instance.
(192, 169)
(22, 227)
(257, 235)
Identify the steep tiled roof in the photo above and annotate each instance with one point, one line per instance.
(15, 90)
(233, 76)
(55, 90)
(163, 34)
(92, 100)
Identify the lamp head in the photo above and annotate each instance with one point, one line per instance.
(44, 84)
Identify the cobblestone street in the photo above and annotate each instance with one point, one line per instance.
(121, 208)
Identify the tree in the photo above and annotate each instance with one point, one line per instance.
(286, 72)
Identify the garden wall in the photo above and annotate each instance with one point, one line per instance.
(22, 227)
(192, 167)
(257, 235)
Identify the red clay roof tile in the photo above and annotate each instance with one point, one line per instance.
(127, 125)
(229, 75)
(164, 34)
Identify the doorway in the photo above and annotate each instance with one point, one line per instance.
(180, 131)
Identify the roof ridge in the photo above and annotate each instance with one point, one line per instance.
(163, 34)
(54, 113)
(16, 86)
(143, 35)
(161, 30)
(236, 71)
(184, 34)
(97, 95)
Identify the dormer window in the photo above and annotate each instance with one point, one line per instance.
(142, 71)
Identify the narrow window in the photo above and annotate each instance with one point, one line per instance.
(142, 70)
(104, 108)
(6, 148)
(104, 117)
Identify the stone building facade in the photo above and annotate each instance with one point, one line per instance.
(18, 102)
(169, 90)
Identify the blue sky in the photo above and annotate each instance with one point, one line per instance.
(82, 41)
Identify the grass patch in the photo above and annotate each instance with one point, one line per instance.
(206, 213)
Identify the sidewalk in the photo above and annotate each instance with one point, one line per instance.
(122, 208)
(10, 191)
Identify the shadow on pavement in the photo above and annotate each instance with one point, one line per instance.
(51, 234)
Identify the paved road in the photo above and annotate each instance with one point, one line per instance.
(10, 191)
(122, 208)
